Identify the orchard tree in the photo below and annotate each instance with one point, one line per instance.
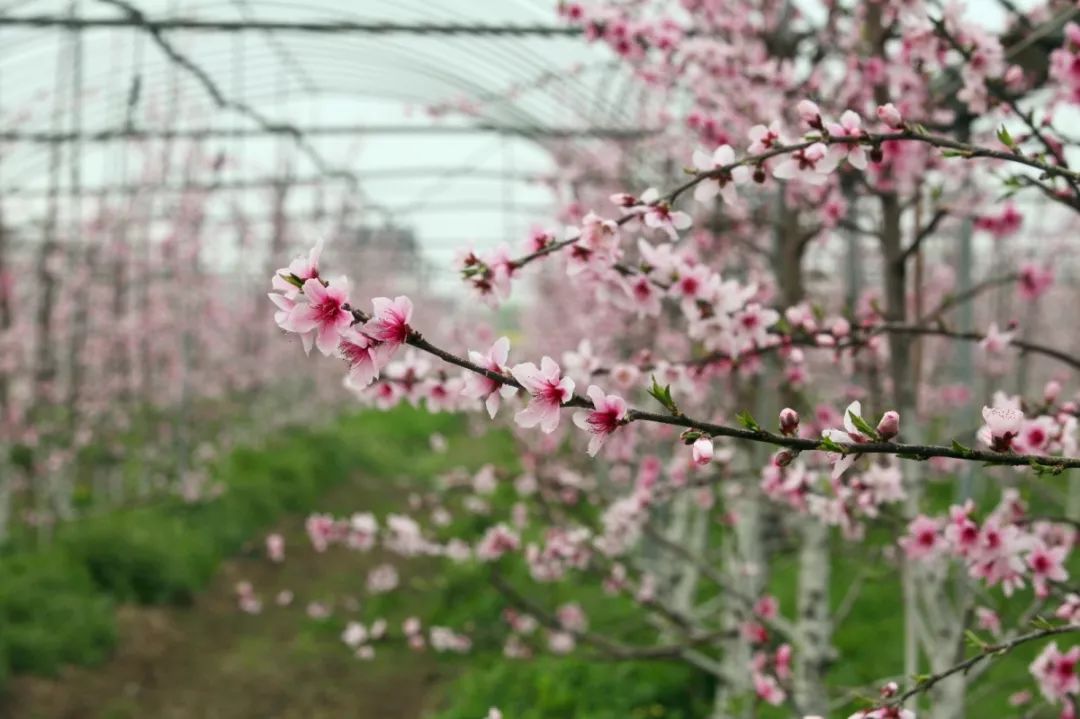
(838, 332)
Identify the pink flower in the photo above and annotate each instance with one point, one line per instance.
(1056, 672)
(783, 661)
(923, 538)
(1034, 280)
(723, 182)
(390, 320)
(809, 113)
(850, 127)
(549, 390)
(889, 115)
(275, 547)
(811, 165)
(323, 312)
(1069, 609)
(478, 386)
(302, 268)
(989, 620)
(1047, 565)
(1002, 425)
(849, 434)
(607, 415)
(995, 341)
(659, 215)
(763, 138)
(365, 356)
(702, 452)
(768, 689)
(496, 542)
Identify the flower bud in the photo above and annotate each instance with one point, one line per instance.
(1051, 391)
(889, 426)
(809, 113)
(889, 690)
(783, 458)
(702, 451)
(888, 114)
(789, 422)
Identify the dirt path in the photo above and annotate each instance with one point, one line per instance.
(211, 661)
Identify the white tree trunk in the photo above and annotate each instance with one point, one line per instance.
(813, 625)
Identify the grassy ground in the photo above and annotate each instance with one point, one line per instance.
(211, 660)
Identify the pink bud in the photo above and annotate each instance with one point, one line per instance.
(809, 113)
(789, 422)
(889, 690)
(783, 458)
(888, 114)
(702, 451)
(889, 426)
(841, 327)
(1051, 391)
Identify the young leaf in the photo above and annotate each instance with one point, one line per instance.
(292, 280)
(663, 396)
(1005, 138)
(961, 448)
(862, 425)
(747, 420)
(829, 445)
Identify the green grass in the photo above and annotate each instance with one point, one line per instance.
(56, 603)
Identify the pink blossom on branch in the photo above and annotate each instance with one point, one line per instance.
(477, 386)
(702, 451)
(608, 414)
(390, 320)
(725, 180)
(850, 126)
(548, 390)
(1003, 424)
(364, 356)
(657, 213)
(1055, 671)
(323, 312)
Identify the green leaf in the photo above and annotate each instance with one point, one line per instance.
(292, 280)
(974, 640)
(691, 435)
(663, 396)
(1005, 138)
(862, 425)
(747, 420)
(1044, 470)
(966, 451)
(829, 445)
(1042, 623)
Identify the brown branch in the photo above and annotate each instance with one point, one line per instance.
(989, 652)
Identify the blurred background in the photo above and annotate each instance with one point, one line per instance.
(158, 161)
(161, 444)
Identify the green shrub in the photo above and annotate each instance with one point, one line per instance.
(147, 557)
(51, 614)
(556, 688)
